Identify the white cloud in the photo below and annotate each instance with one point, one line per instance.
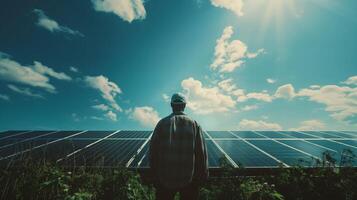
(314, 86)
(51, 25)
(24, 91)
(235, 6)
(250, 107)
(4, 97)
(351, 80)
(36, 75)
(205, 100)
(40, 68)
(97, 118)
(310, 125)
(260, 96)
(111, 115)
(255, 54)
(128, 10)
(230, 55)
(73, 69)
(246, 124)
(166, 97)
(341, 102)
(147, 116)
(227, 85)
(101, 107)
(286, 91)
(108, 89)
(270, 80)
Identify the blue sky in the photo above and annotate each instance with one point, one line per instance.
(242, 65)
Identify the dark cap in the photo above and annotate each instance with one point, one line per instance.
(178, 99)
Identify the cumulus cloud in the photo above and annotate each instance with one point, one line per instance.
(146, 116)
(4, 97)
(246, 124)
(310, 125)
(51, 25)
(259, 96)
(235, 6)
(351, 80)
(97, 118)
(270, 80)
(73, 69)
(230, 55)
(166, 97)
(340, 101)
(36, 75)
(128, 10)
(101, 107)
(40, 68)
(111, 115)
(24, 91)
(205, 100)
(250, 107)
(255, 54)
(227, 85)
(109, 90)
(285, 91)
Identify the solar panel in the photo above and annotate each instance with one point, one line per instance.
(106, 153)
(132, 134)
(250, 149)
(9, 134)
(245, 155)
(247, 134)
(295, 134)
(283, 153)
(273, 134)
(220, 134)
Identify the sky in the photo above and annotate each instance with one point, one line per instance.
(242, 65)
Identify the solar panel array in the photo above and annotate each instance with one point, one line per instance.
(249, 149)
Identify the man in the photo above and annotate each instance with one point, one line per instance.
(178, 154)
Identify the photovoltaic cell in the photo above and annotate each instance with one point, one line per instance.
(283, 153)
(247, 134)
(8, 134)
(306, 147)
(106, 153)
(342, 134)
(93, 135)
(58, 135)
(245, 155)
(353, 133)
(214, 154)
(273, 134)
(220, 134)
(31, 134)
(319, 134)
(333, 134)
(56, 150)
(140, 156)
(132, 134)
(295, 134)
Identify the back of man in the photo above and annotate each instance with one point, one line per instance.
(178, 155)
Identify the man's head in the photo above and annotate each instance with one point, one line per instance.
(178, 102)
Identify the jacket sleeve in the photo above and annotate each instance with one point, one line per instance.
(201, 158)
(153, 150)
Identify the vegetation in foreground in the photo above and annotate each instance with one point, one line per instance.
(45, 180)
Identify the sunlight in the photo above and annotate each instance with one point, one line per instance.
(276, 12)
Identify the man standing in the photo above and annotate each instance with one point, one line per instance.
(178, 154)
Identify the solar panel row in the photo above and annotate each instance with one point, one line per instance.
(251, 149)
